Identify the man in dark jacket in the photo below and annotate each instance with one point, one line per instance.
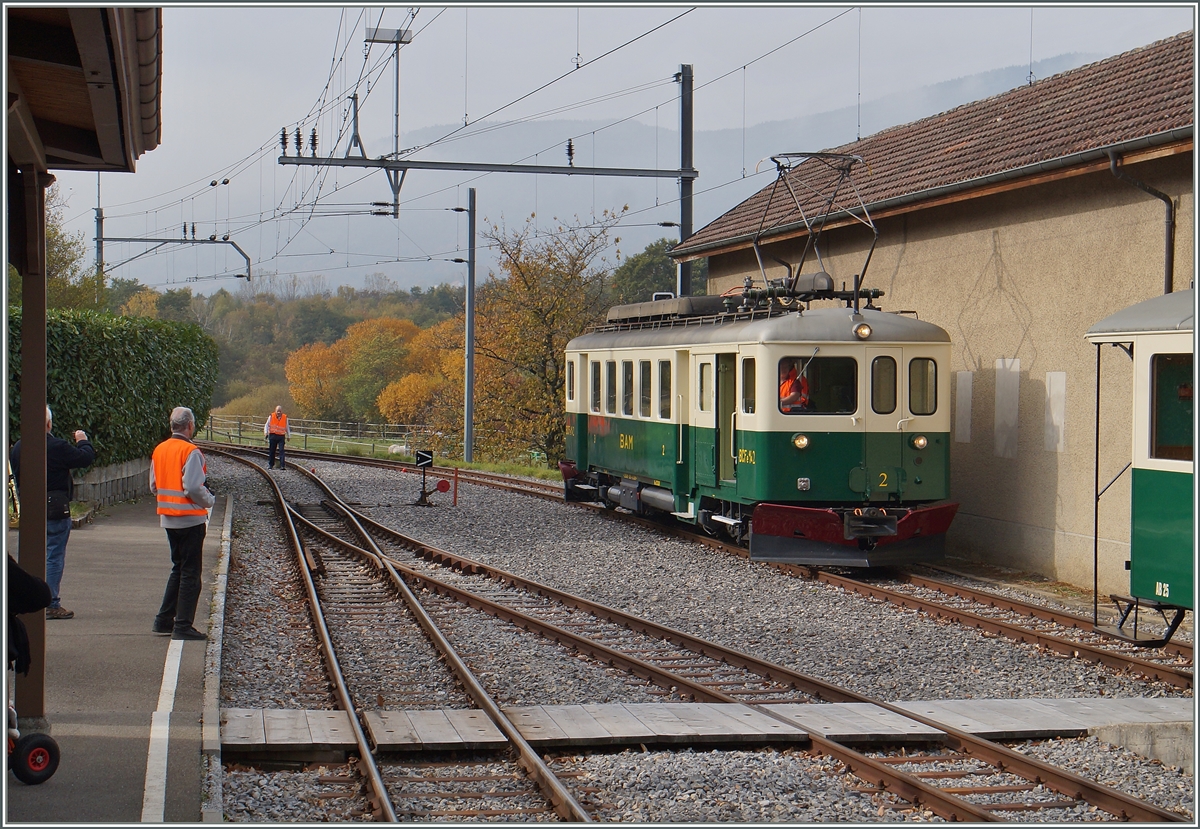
(61, 458)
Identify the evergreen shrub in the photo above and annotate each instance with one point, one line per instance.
(117, 378)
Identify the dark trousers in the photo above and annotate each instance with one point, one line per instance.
(275, 442)
(183, 585)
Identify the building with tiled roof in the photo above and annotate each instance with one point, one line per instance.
(1015, 223)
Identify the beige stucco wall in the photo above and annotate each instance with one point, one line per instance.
(1023, 275)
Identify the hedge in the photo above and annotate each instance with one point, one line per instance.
(117, 378)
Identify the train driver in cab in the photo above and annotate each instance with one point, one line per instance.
(793, 390)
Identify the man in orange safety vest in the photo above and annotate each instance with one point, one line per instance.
(179, 481)
(277, 431)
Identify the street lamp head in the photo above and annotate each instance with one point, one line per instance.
(668, 224)
(375, 35)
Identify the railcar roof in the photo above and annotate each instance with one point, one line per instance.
(1167, 313)
(818, 325)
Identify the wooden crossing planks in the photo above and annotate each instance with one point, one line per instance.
(855, 722)
(250, 728)
(690, 723)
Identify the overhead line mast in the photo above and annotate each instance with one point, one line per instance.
(396, 169)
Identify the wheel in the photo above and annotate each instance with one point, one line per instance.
(34, 759)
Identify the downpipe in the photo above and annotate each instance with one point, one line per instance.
(1169, 259)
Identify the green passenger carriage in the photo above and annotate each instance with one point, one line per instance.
(1158, 336)
(673, 406)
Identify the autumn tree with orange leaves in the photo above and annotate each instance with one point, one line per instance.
(343, 381)
(552, 286)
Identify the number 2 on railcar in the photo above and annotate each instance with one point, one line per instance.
(1158, 336)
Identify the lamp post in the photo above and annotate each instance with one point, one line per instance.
(469, 373)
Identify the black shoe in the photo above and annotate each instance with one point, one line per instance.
(188, 633)
(163, 628)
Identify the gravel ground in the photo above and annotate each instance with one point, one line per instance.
(868, 646)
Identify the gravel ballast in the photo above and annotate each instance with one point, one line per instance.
(868, 646)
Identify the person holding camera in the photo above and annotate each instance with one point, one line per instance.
(61, 458)
(179, 480)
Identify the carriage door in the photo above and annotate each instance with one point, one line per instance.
(704, 418)
(884, 418)
(726, 407)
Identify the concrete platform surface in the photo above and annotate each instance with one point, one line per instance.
(104, 674)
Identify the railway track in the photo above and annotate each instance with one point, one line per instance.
(1009, 779)
(359, 592)
(1046, 628)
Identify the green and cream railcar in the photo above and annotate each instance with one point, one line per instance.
(674, 407)
(1158, 334)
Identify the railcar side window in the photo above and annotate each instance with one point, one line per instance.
(748, 385)
(595, 386)
(627, 387)
(1171, 407)
(570, 379)
(705, 391)
(610, 389)
(818, 385)
(883, 385)
(664, 389)
(922, 386)
(644, 389)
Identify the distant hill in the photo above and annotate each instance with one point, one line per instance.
(719, 158)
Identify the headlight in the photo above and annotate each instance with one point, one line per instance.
(862, 330)
(800, 441)
(919, 442)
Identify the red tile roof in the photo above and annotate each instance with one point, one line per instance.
(1142, 93)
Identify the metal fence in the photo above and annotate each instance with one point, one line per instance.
(325, 435)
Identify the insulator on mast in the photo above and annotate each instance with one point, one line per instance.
(283, 139)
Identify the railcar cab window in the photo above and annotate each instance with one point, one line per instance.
(748, 385)
(883, 385)
(818, 385)
(922, 386)
(664, 389)
(570, 379)
(595, 386)
(645, 390)
(610, 386)
(627, 388)
(1171, 407)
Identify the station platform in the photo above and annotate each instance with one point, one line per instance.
(124, 704)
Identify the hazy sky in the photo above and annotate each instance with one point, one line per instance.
(233, 76)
